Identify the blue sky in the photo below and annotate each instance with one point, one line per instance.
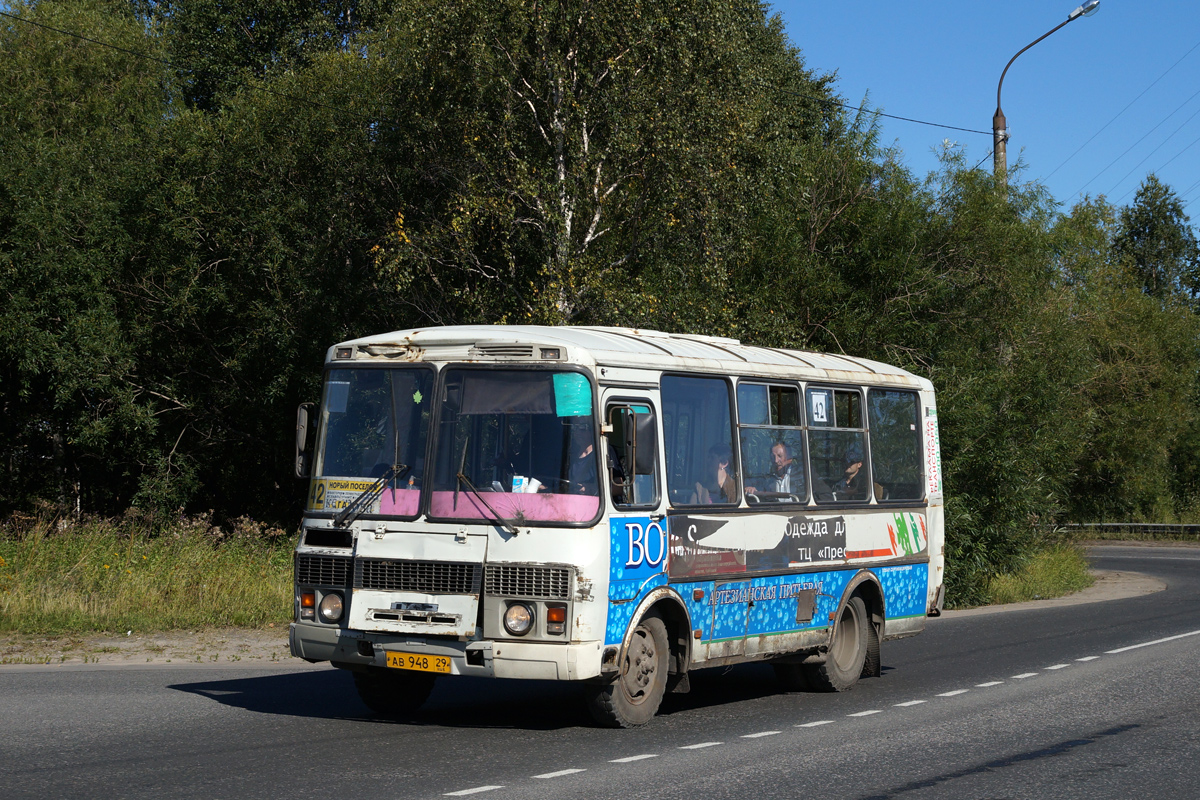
(940, 61)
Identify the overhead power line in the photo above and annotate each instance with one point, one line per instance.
(871, 111)
(1119, 113)
(1155, 150)
(1160, 123)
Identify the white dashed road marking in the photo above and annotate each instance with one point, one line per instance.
(476, 790)
(560, 773)
(817, 723)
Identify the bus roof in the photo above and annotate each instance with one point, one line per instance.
(623, 348)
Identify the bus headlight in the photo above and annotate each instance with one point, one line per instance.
(518, 620)
(331, 607)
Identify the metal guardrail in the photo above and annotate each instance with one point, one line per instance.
(1136, 530)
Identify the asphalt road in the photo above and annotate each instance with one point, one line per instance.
(1088, 701)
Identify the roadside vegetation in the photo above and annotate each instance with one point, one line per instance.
(1055, 571)
(182, 235)
(141, 574)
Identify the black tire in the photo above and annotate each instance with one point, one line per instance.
(847, 651)
(394, 693)
(792, 677)
(634, 697)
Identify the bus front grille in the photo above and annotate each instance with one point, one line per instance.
(426, 577)
(322, 570)
(522, 580)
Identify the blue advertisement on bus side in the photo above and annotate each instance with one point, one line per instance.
(637, 564)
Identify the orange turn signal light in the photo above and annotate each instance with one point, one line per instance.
(308, 599)
(556, 614)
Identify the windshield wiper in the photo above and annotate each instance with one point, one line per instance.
(369, 495)
(501, 521)
(461, 479)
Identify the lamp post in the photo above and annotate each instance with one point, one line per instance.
(999, 123)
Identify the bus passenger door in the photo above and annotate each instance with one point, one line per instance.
(639, 549)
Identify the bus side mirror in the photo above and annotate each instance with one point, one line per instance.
(302, 438)
(623, 423)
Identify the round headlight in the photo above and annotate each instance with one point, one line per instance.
(518, 619)
(331, 607)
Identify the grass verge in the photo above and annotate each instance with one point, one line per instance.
(1058, 570)
(137, 573)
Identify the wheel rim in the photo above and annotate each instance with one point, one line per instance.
(641, 666)
(845, 638)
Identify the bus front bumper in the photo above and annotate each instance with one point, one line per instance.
(496, 659)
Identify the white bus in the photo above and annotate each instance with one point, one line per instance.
(611, 506)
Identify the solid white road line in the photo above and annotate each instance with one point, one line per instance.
(866, 713)
(815, 724)
(1156, 641)
(759, 735)
(989, 683)
(911, 703)
(560, 773)
(699, 746)
(627, 759)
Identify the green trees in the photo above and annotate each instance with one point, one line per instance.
(81, 128)
(183, 234)
(564, 151)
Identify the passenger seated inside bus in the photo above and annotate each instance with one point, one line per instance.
(784, 481)
(723, 483)
(853, 485)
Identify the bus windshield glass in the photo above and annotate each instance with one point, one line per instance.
(374, 420)
(518, 444)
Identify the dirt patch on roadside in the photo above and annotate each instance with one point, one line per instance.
(225, 646)
(1109, 585)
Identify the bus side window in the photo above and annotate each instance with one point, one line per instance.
(837, 446)
(701, 464)
(895, 444)
(633, 455)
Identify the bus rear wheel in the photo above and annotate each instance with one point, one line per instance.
(847, 651)
(634, 697)
(394, 693)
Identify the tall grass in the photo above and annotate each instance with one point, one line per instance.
(141, 573)
(1052, 572)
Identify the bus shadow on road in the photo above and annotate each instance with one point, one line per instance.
(469, 702)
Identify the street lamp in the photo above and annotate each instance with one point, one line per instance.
(999, 123)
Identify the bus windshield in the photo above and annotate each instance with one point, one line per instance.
(520, 444)
(371, 421)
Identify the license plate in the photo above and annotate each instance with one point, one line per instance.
(420, 663)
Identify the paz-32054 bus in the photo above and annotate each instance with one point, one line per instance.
(612, 506)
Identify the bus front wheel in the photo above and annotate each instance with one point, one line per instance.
(847, 651)
(394, 693)
(633, 698)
